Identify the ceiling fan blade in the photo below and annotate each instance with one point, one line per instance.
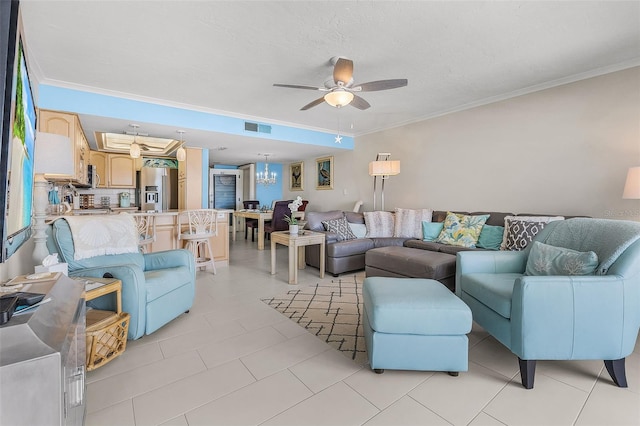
(343, 71)
(374, 86)
(359, 103)
(312, 104)
(297, 86)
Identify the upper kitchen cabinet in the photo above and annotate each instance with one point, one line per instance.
(67, 124)
(114, 170)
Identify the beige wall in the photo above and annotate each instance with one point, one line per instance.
(564, 150)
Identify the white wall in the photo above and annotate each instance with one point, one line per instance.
(564, 150)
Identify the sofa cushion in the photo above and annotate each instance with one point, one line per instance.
(349, 247)
(461, 230)
(431, 230)
(492, 290)
(490, 237)
(520, 230)
(549, 260)
(408, 222)
(379, 224)
(354, 217)
(424, 245)
(340, 227)
(445, 248)
(314, 219)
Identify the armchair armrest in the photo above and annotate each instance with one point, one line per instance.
(573, 317)
(169, 259)
(492, 262)
(134, 297)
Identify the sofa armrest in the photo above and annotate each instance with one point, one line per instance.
(573, 317)
(169, 259)
(134, 298)
(491, 262)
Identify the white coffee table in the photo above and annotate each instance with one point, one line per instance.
(296, 244)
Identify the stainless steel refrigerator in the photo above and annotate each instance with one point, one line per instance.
(157, 189)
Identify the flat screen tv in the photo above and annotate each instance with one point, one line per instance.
(18, 136)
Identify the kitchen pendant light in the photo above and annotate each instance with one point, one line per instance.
(134, 148)
(181, 153)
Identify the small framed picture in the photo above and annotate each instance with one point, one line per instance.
(324, 173)
(296, 176)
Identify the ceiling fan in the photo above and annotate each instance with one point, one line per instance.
(340, 87)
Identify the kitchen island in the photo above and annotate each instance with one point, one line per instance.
(166, 231)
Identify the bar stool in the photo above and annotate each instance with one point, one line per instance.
(146, 224)
(200, 227)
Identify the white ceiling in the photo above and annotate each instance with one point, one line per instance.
(224, 56)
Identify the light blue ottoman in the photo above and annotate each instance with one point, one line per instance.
(415, 324)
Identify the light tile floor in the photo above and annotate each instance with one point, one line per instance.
(234, 361)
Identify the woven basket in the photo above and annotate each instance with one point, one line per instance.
(107, 342)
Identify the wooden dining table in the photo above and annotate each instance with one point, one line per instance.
(261, 216)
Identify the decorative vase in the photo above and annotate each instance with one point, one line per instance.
(293, 229)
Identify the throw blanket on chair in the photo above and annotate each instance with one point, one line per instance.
(607, 238)
(100, 235)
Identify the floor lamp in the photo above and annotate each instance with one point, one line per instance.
(382, 167)
(53, 155)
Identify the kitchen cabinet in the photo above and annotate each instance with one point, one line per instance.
(114, 170)
(191, 181)
(67, 124)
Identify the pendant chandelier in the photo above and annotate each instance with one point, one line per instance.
(181, 153)
(266, 177)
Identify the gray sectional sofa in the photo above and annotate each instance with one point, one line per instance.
(390, 256)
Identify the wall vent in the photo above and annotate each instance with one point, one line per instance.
(255, 127)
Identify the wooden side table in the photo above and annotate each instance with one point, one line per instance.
(296, 244)
(106, 330)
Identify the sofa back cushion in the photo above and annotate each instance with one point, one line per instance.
(315, 219)
(495, 218)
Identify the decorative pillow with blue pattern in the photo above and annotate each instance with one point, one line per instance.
(462, 230)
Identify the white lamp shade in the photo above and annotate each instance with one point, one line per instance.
(384, 168)
(338, 98)
(134, 150)
(181, 154)
(632, 185)
(53, 155)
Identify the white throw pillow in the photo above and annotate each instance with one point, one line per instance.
(379, 224)
(409, 222)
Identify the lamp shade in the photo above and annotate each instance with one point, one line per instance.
(53, 154)
(384, 168)
(632, 185)
(134, 150)
(338, 98)
(181, 154)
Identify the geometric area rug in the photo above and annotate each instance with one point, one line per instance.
(332, 312)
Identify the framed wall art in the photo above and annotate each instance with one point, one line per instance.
(324, 173)
(296, 176)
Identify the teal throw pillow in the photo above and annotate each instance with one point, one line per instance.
(550, 260)
(461, 230)
(431, 230)
(490, 237)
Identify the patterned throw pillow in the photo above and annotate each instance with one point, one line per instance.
(340, 227)
(517, 236)
(462, 230)
(409, 222)
(550, 260)
(379, 224)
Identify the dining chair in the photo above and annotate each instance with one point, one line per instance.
(277, 223)
(196, 228)
(251, 223)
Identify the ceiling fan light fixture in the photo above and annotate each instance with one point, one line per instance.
(338, 98)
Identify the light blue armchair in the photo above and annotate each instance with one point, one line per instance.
(558, 317)
(156, 287)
